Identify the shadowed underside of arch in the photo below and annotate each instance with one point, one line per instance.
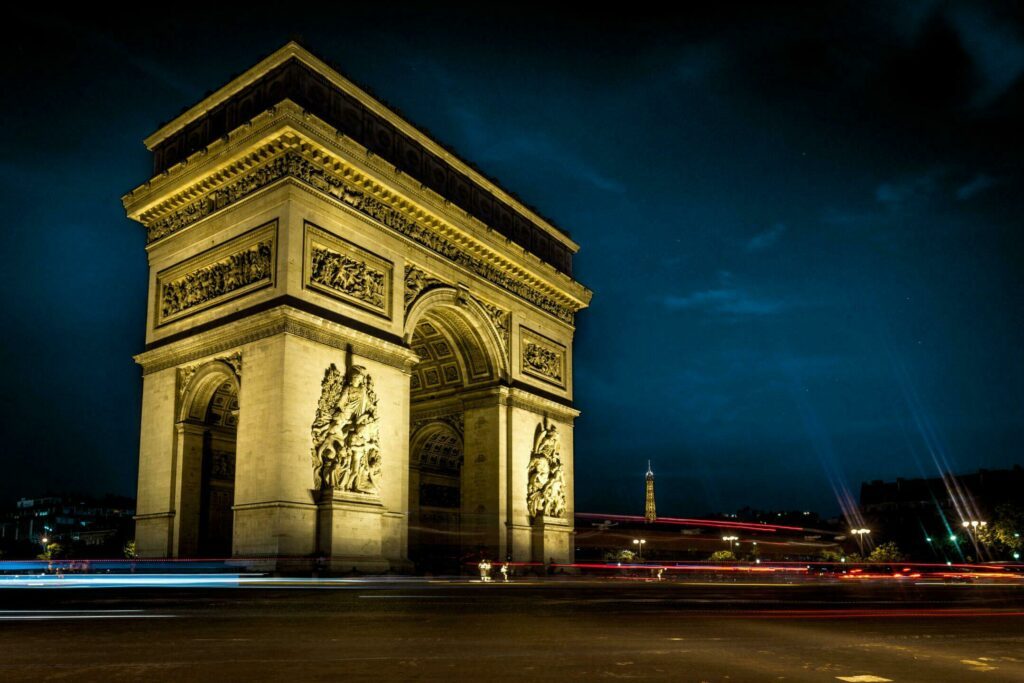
(209, 424)
(457, 344)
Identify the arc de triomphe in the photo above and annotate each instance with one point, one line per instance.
(357, 346)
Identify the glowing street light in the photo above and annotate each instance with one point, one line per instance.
(971, 526)
(639, 543)
(860, 533)
(730, 540)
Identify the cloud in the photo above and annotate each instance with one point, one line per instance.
(978, 184)
(766, 238)
(996, 48)
(731, 302)
(898, 193)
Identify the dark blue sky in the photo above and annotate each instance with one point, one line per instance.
(802, 226)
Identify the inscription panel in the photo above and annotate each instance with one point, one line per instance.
(541, 357)
(342, 270)
(239, 266)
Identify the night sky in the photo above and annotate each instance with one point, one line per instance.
(802, 226)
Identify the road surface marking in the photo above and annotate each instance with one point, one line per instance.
(864, 678)
(978, 665)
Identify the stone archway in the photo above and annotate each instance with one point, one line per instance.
(453, 510)
(207, 431)
(324, 267)
(435, 496)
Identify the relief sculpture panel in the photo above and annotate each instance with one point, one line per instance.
(542, 358)
(346, 433)
(293, 165)
(342, 270)
(545, 477)
(237, 267)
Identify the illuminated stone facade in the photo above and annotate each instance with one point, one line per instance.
(357, 347)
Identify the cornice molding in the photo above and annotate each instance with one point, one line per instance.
(521, 398)
(280, 320)
(293, 50)
(292, 155)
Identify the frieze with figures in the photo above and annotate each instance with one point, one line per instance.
(345, 271)
(542, 358)
(294, 165)
(235, 268)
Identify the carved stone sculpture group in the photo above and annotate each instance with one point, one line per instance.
(295, 166)
(347, 275)
(217, 279)
(543, 361)
(346, 433)
(545, 494)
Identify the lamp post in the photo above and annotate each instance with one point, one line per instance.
(971, 526)
(860, 533)
(731, 540)
(639, 543)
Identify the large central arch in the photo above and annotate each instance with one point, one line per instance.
(462, 359)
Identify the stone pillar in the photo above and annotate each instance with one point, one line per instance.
(541, 537)
(367, 531)
(551, 540)
(350, 532)
(187, 489)
(484, 475)
(155, 507)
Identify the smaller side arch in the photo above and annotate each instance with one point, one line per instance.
(439, 444)
(201, 387)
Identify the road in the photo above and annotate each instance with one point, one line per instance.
(554, 630)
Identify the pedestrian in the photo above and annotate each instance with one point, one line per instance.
(504, 572)
(485, 570)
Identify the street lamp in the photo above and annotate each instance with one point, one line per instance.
(639, 543)
(860, 533)
(971, 526)
(730, 540)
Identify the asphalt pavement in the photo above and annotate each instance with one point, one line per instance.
(418, 630)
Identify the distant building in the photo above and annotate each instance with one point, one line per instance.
(650, 513)
(83, 525)
(750, 534)
(925, 517)
(968, 494)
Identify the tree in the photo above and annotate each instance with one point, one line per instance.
(52, 551)
(1003, 535)
(129, 550)
(829, 555)
(723, 556)
(886, 552)
(620, 556)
